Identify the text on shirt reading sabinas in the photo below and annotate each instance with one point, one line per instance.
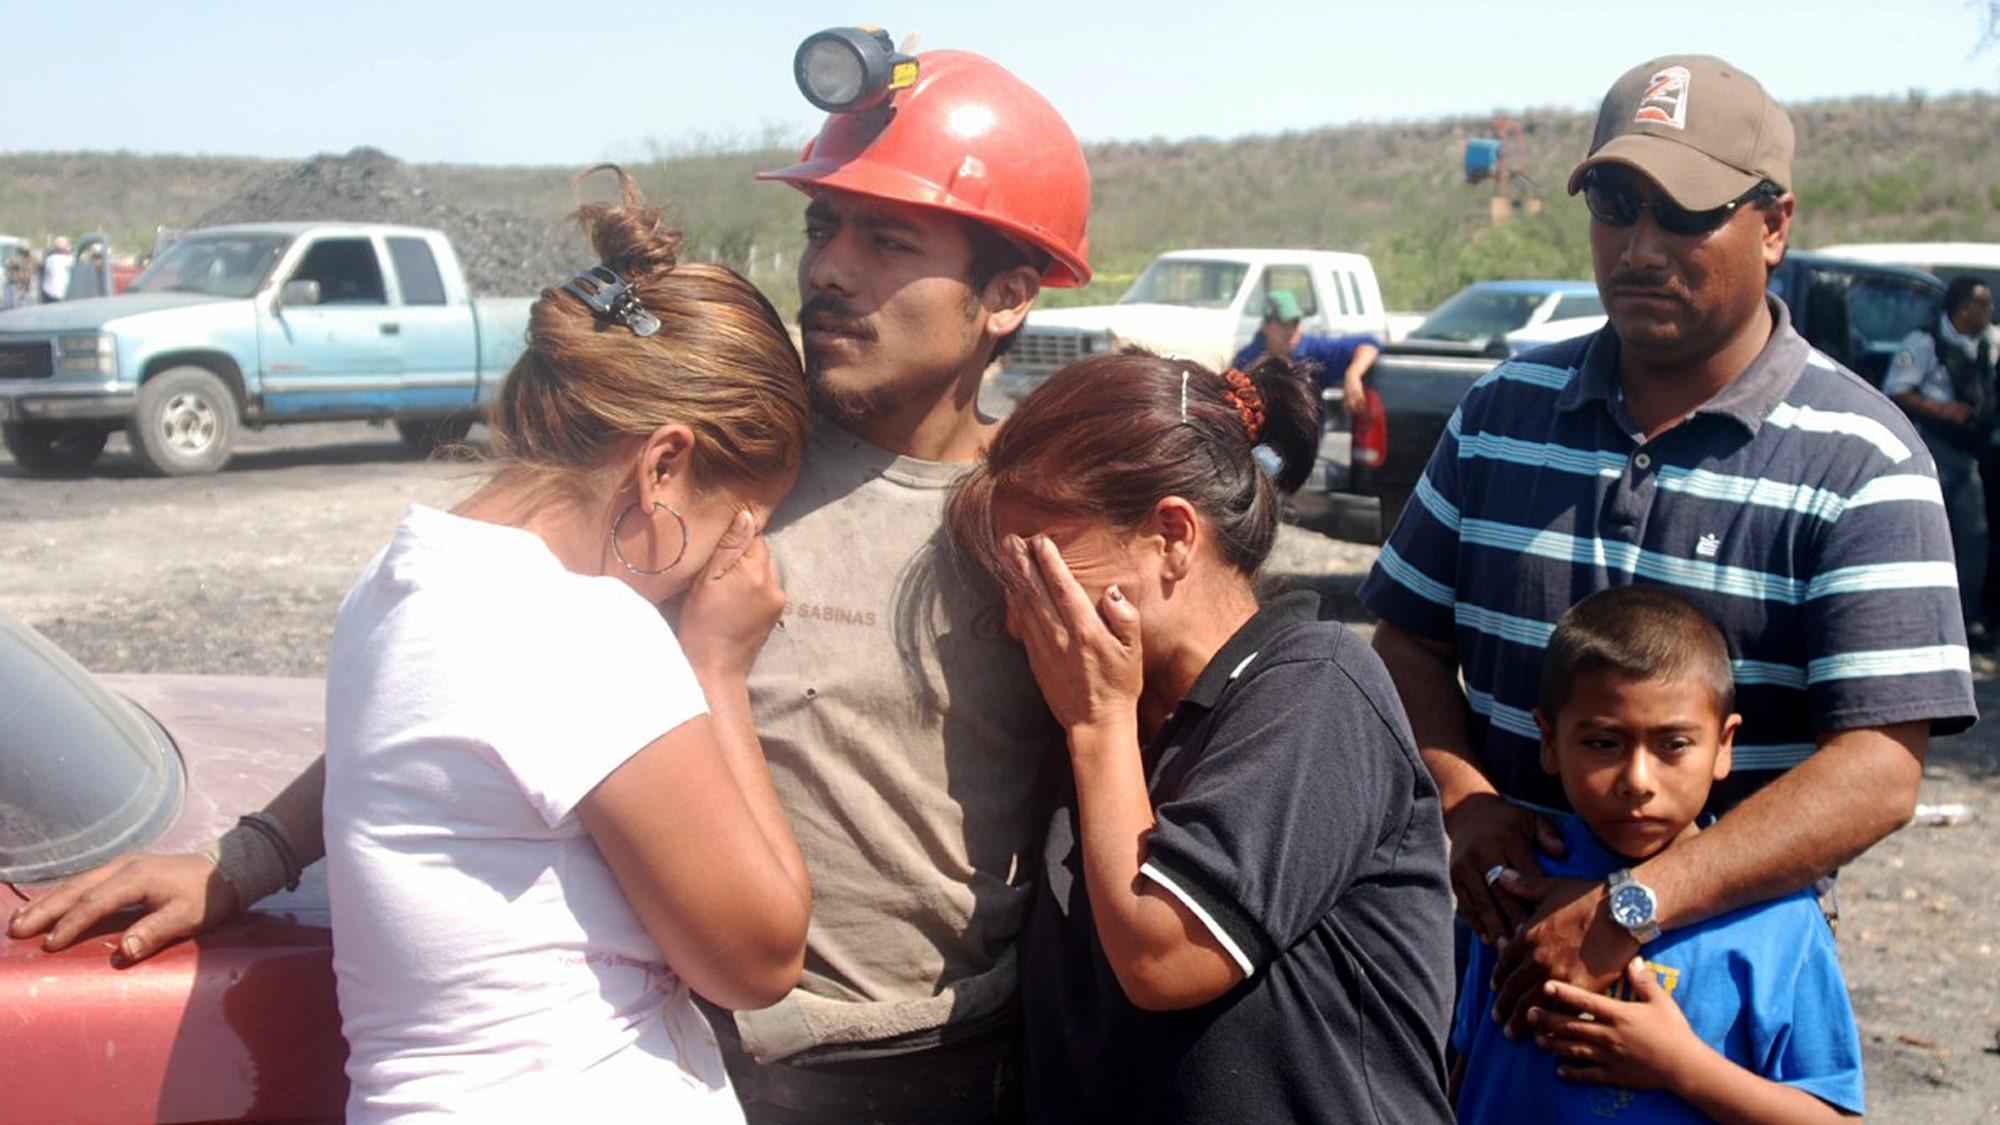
(833, 614)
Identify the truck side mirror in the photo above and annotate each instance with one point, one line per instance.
(301, 292)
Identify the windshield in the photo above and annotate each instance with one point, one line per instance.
(84, 775)
(222, 265)
(1478, 313)
(1195, 284)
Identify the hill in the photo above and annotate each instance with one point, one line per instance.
(1873, 169)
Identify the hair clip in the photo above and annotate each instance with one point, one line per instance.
(1267, 459)
(612, 298)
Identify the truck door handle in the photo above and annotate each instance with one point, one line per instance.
(391, 329)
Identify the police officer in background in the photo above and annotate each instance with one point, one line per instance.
(1943, 379)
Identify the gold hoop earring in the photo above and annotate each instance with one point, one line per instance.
(678, 555)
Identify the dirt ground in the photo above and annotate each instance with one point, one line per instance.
(241, 573)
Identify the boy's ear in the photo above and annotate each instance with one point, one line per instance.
(1725, 745)
(1549, 764)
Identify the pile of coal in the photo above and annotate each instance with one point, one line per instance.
(504, 254)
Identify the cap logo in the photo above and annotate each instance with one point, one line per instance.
(1665, 99)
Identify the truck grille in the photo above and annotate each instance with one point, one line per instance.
(1041, 352)
(35, 360)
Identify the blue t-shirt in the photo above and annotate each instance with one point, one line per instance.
(1762, 985)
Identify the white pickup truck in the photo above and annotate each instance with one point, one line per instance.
(1201, 305)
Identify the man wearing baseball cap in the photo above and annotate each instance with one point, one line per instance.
(1697, 442)
(1346, 358)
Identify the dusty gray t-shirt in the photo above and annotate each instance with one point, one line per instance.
(911, 750)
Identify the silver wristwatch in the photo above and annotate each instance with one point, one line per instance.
(1634, 905)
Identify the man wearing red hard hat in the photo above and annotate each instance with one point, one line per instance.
(904, 731)
(907, 738)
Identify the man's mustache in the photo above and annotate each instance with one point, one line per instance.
(832, 311)
(1640, 279)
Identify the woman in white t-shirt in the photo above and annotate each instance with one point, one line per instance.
(547, 815)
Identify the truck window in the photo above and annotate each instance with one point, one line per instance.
(347, 271)
(1880, 312)
(226, 265)
(1354, 283)
(1577, 304)
(416, 271)
(1181, 281)
(1297, 279)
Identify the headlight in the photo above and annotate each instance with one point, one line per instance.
(849, 69)
(94, 353)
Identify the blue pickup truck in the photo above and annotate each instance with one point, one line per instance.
(254, 325)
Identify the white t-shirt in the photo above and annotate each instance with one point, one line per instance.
(489, 968)
(56, 267)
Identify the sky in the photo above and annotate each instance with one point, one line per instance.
(510, 82)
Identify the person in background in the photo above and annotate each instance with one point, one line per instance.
(18, 272)
(547, 816)
(57, 262)
(1241, 910)
(907, 740)
(1342, 358)
(1698, 442)
(1943, 379)
(1742, 1017)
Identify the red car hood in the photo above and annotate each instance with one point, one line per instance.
(239, 1025)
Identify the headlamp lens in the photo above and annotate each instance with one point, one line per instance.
(831, 72)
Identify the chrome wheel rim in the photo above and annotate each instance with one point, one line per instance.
(189, 422)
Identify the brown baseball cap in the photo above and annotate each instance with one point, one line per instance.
(1703, 130)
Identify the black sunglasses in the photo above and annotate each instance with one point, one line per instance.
(1617, 206)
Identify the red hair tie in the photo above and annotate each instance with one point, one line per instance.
(1249, 404)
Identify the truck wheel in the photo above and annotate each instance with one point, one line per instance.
(185, 424)
(428, 435)
(54, 447)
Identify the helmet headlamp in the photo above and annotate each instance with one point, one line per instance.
(849, 69)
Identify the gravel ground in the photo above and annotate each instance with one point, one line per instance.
(241, 573)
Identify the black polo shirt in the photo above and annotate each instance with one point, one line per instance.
(1296, 820)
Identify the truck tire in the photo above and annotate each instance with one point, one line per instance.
(54, 447)
(428, 435)
(185, 424)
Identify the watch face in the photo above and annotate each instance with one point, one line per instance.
(1631, 905)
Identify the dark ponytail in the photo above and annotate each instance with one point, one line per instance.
(1291, 417)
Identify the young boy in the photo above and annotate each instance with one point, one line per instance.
(1742, 1018)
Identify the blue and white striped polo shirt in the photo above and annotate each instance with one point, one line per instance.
(1797, 507)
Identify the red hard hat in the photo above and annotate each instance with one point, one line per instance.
(968, 138)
